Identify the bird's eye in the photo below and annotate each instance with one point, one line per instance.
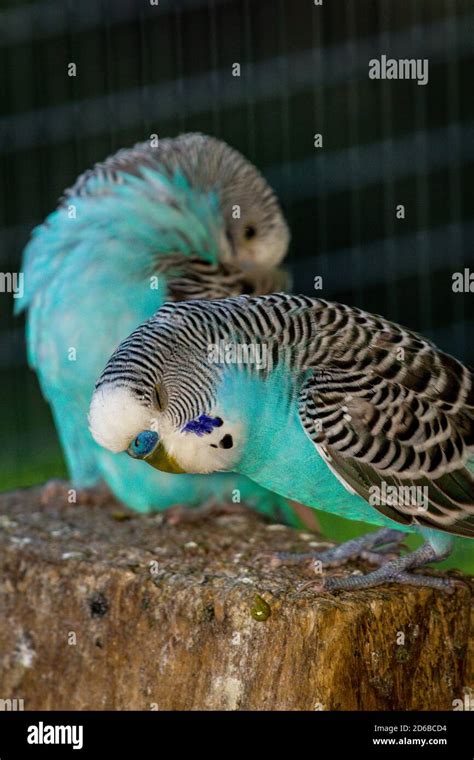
(143, 444)
(138, 445)
(250, 232)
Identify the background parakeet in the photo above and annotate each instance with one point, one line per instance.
(346, 408)
(188, 218)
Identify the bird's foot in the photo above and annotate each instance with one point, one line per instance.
(395, 571)
(62, 492)
(378, 548)
(180, 514)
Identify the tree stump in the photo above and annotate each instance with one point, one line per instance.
(106, 609)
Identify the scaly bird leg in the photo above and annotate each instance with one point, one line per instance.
(395, 571)
(377, 548)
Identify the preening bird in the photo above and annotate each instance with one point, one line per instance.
(344, 411)
(188, 218)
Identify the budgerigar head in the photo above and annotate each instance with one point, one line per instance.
(255, 230)
(157, 396)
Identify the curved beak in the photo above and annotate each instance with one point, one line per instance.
(161, 460)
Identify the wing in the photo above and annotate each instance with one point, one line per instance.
(390, 412)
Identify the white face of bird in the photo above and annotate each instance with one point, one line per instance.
(255, 240)
(120, 422)
(255, 231)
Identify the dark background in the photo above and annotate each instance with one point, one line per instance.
(143, 69)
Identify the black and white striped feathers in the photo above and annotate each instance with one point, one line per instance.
(381, 403)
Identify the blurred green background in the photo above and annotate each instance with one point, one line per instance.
(166, 69)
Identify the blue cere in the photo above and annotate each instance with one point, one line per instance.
(143, 444)
(202, 425)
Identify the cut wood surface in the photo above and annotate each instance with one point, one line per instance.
(102, 608)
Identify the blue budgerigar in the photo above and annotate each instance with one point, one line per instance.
(187, 218)
(326, 404)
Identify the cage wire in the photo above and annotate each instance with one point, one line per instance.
(166, 69)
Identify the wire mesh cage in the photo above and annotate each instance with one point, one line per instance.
(342, 151)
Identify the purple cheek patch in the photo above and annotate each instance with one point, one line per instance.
(202, 425)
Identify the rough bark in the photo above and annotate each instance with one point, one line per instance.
(107, 610)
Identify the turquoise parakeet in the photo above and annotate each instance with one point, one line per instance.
(190, 217)
(343, 411)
